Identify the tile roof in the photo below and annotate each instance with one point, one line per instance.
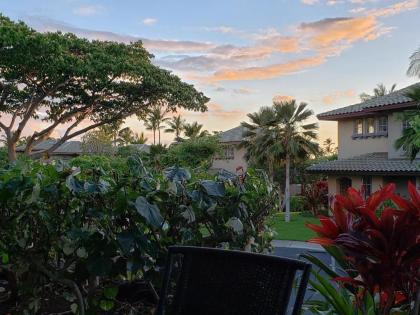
(232, 135)
(372, 162)
(67, 148)
(394, 98)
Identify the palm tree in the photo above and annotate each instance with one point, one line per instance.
(329, 146)
(176, 126)
(139, 138)
(194, 130)
(380, 90)
(154, 120)
(414, 68)
(279, 132)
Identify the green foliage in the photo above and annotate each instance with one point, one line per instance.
(74, 80)
(79, 230)
(297, 204)
(3, 157)
(194, 152)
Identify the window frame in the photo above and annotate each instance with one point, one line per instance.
(356, 127)
(367, 185)
(367, 126)
(379, 131)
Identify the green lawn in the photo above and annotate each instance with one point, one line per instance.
(295, 230)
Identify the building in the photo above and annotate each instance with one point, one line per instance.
(67, 150)
(366, 153)
(233, 156)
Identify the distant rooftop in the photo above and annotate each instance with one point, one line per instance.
(232, 135)
(67, 148)
(390, 101)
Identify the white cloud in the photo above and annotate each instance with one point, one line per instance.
(88, 10)
(309, 2)
(149, 21)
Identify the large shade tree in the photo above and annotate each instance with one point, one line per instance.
(77, 85)
(280, 133)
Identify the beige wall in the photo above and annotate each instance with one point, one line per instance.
(356, 182)
(231, 165)
(349, 147)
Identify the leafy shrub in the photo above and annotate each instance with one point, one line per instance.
(380, 254)
(297, 204)
(3, 157)
(75, 238)
(316, 196)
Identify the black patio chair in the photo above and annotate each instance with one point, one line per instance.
(208, 281)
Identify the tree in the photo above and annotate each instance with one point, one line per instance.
(64, 80)
(414, 68)
(329, 147)
(139, 138)
(380, 90)
(410, 139)
(176, 126)
(281, 135)
(154, 120)
(193, 130)
(97, 142)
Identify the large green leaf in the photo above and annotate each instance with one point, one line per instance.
(74, 185)
(176, 174)
(236, 225)
(149, 211)
(213, 188)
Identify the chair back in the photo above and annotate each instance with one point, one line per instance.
(212, 281)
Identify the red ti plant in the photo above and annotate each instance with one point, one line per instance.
(316, 195)
(384, 249)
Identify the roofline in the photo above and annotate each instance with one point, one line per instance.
(365, 111)
(362, 172)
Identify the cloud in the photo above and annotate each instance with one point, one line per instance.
(88, 10)
(243, 90)
(149, 21)
(332, 98)
(395, 9)
(267, 72)
(309, 2)
(282, 98)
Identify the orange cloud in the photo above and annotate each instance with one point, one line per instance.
(333, 97)
(282, 98)
(395, 8)
(267, 72)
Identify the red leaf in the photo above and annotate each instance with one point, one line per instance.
(329, 226)
(414, 194)
(321, 241)
(380, 196)
(317, 229)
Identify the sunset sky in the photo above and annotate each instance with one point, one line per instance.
(244, 53)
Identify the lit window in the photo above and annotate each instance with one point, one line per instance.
(383, 124)
(367, 185)
(358, 127)
(370, 125)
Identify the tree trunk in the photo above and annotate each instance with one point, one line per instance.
(159, 135)
(287, 190)
(154, 136)
(11, 150)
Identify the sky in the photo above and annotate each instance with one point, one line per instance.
(243, 54)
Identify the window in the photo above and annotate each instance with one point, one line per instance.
(370, 125)
(405, 124)
(228, 153)
(358, 127)
(344, 183)
(367, 185)
(383, 124)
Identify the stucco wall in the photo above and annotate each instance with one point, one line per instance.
(349, 147)
(231, 165)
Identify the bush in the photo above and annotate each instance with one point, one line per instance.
(74, 238)
(297, 204)
(315, 196)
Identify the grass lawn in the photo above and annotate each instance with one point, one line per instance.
(295, 230)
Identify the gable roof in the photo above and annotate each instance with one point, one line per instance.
(377, 162)
(232, 135)
(67, 148)
(390, 101)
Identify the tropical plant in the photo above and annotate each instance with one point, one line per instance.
(176, 126)
(193, 130)
(379, 250)
(379, 90)
(98, 142)
(316, 196)
(414, 68)
(139, 138)
(280, 134)
(87, 238)
(329, 148)
(154, 120)
(64, 81)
